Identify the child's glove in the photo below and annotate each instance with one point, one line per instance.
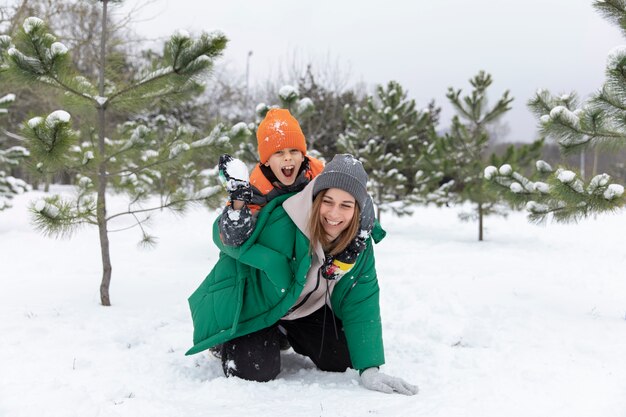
(234, 176)
(377, 381)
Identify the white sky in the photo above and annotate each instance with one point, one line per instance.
(561, 45)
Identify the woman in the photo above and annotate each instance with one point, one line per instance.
(307, 273)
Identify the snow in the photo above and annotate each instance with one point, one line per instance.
(613, 191)
(542, 187)
(9, 98)
(178, 149)
(287, 91)
(35, 121)
(516, 187)
(615, 57)
(237, 170)
(565, 114)
(521, 325)
(490, 171)
(506, 170)
(565, 176)
(31, 23)
(543, 166)
(58, 48)
(58, 116)
(181, 33)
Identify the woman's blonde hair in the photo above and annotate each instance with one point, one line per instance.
(318, 234)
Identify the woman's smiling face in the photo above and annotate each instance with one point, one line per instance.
(336, 211)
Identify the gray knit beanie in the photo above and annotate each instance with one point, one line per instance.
(346, 173)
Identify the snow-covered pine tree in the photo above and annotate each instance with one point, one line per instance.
(10, 156)
(327, 89)
(38, 57)
(392, 138)
(463, 149)
(598, 122)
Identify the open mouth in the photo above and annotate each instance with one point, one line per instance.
(288, 170)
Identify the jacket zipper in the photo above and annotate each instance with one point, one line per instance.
(306, 297)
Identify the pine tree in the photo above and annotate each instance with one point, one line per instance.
(463, 149)
(10, 156)
(392, 138)
(98, 159)
(327, 120)
(597, 123)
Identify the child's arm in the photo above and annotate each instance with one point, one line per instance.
(236, 226)
(236, 222)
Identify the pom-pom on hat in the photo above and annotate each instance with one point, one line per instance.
(346, 173)
(279, 130)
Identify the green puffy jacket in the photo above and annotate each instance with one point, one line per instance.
(253, 286)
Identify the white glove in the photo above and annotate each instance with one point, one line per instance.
(377, 381)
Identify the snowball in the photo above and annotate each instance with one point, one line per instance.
(30, 23)
(58, 48)
(237, 169)
(506, 169)
(490, 171)
(516, 188)
(12, 52)
(566, 176)
(613, 191)
(545, 118)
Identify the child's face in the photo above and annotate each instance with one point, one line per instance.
(285, 164)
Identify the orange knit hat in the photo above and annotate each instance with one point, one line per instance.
(279, 130)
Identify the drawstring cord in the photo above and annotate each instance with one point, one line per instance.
(326, 299)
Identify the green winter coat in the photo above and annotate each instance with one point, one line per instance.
(253, 286)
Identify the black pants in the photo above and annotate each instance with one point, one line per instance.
(256, 356)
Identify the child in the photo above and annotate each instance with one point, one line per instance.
(283, 168)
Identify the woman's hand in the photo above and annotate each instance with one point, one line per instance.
(378, 381)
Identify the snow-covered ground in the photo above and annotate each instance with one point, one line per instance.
(530, 322)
